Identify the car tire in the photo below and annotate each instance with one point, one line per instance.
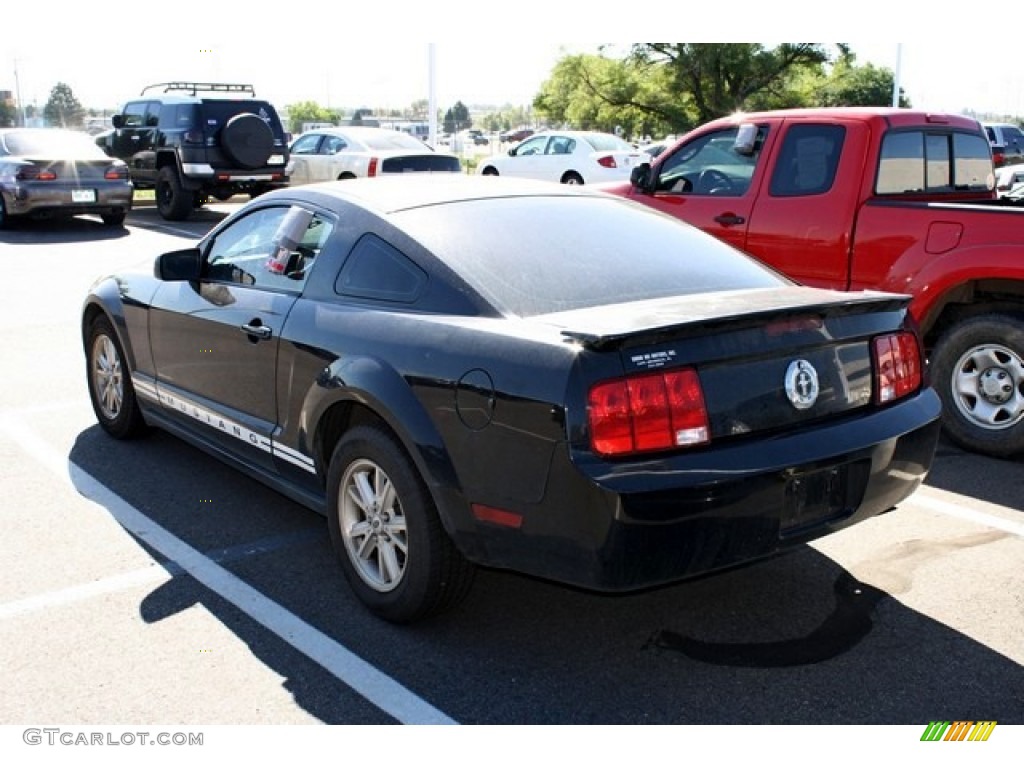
(115, 219)
(572, 178)
(110, 383)
(977, 366)
(248, 140)
(490, 171)
(5, 220)
(386, 532)
(172, 201)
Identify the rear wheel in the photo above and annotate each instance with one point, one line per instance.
(490, 171)
(386, 532)
(172, 201)
(110, 384)
(978, 370)
(5, 221)
(572, 178)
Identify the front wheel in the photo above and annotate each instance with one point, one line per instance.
(386, 532)
(110, 383)
(978, 370)
(490, 171)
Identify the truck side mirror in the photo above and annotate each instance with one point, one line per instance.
(117, 121)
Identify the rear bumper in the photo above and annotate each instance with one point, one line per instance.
(50, 198)
(641, 525)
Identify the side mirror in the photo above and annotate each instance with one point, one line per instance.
(746, 139)
(178, 265)
(640, 177)
(117, 121)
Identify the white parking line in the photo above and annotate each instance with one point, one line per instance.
(369, 682)
(930, 499)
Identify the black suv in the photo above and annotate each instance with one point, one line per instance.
(190, 148)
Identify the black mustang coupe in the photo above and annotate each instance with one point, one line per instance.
(473, 371)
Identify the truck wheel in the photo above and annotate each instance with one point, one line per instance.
(385, 530)
(978, 370)
(173, 202)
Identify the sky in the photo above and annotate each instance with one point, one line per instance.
(341, 54)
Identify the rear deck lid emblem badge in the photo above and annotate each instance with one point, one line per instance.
(801, 384)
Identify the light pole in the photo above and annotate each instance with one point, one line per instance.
(17, 92)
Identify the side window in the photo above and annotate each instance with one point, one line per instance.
(710, 165)
(153, 114)
(306, 145)
(332, 145)
(264, 250)
(936, 161)
(532, 146)
(376, 270)
(808, 160)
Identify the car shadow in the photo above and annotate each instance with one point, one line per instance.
(997, 481)
(59, 229)
(793, 639)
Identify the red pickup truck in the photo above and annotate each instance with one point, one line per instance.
(874, 198)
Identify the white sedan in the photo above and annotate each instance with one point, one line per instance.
(570, 157)
(352, 152)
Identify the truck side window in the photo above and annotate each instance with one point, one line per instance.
(709, 166)
(808, 160)
(934, 161)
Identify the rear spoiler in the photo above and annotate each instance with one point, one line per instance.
(697, 317)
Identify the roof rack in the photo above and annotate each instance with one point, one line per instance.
(212, 87)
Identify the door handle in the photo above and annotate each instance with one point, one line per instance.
(259, 331)
(729, 219)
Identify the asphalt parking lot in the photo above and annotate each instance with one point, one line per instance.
(146, 583)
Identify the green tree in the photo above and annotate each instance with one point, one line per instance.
(457, 118)
(598, 93)
(849, 85)
(308, 112)
(721, 78)
(63, 109)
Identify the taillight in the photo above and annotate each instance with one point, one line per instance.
(608, 161)
(897, 366)
(116, 172)
(34, 173)
(649, 412)
(997, 158)
(371, 169)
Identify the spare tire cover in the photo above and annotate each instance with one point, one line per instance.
(247, 140)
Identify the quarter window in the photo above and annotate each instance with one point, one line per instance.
(376, 270)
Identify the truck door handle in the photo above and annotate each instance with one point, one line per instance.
(729, 219)
(259, 331)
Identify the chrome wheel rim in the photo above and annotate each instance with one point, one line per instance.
(107, 377)
(373, 525)
(988, 387)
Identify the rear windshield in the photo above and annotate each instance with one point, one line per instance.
(606, 142)
(51, 143)
(551, 254)
(216, 112)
